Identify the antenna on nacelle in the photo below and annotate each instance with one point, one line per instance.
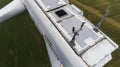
(103, 18)
(76, 33)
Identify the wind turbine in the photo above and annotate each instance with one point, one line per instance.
(57, 21)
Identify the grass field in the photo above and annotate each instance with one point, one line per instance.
(21, 45)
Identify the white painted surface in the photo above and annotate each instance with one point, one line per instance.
(13, 8)
(98, 52)
(64, 52)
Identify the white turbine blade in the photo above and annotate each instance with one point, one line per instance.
(53, 57)
(10, 10)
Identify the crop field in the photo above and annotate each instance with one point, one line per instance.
(21, 45)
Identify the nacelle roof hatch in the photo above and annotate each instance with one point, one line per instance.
(47, 5)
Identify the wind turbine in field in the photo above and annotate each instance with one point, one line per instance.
(70, 38)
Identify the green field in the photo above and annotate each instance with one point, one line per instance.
(21, 45)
